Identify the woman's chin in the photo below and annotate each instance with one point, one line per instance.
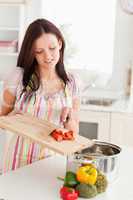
(48, 66)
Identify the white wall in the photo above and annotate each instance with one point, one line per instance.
(123, 46)
(123, 51)
(32, 10)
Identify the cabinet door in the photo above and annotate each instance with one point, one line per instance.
(102, 119)
(122, 129)
(11, 28)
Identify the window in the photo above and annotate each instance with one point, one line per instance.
(88, 27)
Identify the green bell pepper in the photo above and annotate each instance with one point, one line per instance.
(70, 179)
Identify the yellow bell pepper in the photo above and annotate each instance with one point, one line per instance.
(87, 174)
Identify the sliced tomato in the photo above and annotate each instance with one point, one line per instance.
(68, 135)
(57, 136)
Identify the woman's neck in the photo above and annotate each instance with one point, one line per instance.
(48, 74)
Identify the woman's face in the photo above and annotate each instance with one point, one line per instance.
(47, 50)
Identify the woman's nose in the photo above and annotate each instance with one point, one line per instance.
(47, 55)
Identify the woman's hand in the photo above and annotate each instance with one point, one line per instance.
(14, 112)
(70, 120)
(65, 114)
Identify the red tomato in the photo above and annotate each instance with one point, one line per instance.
(68, 135)
(57, 136)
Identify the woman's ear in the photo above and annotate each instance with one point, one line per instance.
(60, 44)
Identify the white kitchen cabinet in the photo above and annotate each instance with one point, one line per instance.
(102, 119)
(114, 127)
(11, 33)
(122, 129)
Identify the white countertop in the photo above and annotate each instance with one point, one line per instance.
(122, 105)
(39, 180)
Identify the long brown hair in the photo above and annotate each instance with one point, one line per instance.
(27, 60)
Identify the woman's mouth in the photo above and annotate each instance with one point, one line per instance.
(48, 62)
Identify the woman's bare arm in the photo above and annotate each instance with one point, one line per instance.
(7, 102)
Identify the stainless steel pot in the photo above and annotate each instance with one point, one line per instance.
(104, 155)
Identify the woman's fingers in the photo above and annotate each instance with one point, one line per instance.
(65, 114)
(14, 112)
(69, 120)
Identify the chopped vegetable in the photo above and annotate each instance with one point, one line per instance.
(62, 134)
(57, 136)
(68, 135)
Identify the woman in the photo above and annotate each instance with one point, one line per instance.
(40, 86)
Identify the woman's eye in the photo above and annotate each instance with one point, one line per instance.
(52, 48)
(39, 52)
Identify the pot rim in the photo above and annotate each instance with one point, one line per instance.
(119, 149)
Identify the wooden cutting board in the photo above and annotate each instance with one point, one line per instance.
(39, 131)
